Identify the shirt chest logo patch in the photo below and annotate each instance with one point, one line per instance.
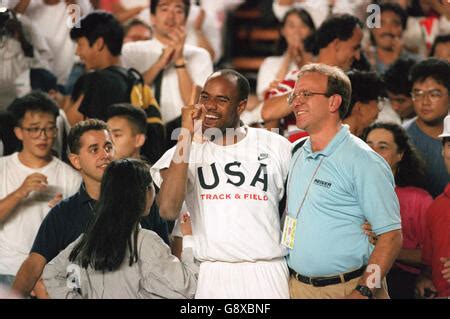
(321, 183)
(263, 156)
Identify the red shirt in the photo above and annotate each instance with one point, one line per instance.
(107, 5)
(414, 203)
(437, 240)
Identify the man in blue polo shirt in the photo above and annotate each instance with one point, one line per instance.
(336, 182)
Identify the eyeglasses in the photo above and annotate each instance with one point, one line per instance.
(35, 132)
(306, 95)
(419, 95)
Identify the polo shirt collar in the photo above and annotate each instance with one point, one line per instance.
(84, 196)
(343, 133)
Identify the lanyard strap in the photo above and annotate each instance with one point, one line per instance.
(309, 185)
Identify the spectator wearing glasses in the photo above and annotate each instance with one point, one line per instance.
(431, 84)
(335, 183)
(367, 89)
(31, 181)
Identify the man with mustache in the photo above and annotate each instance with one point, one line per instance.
(387, 39)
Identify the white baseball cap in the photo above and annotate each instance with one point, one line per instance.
(446, 132)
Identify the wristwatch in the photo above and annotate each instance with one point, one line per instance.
(365, 291)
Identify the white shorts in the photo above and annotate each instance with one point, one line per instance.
(246, 280)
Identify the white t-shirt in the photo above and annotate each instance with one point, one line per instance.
(387, 113)
(211, 27)
(268, 72)
(232, 202)
(142, 55)
(18, 231)
(52, 25)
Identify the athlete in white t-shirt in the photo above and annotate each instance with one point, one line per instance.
(31, 181)
(232, 185)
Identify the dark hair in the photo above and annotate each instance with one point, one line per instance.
(366, 87)
(134, 115)
(397, 10)
(154, 4)
(334, 27)
(445, 140)
(439, 39)
(362, 64)
(395, 77)
(35, 101)
(11, 27)
(136, 22)
(306, 19)
(411, 168)
(243, 85)
(100, 24)
(77, 131)
(45, 81)
(438, 70)
(117, 214)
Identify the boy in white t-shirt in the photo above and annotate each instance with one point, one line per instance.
(232, 185)
(31, 181)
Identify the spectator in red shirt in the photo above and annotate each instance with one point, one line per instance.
(392, 143)
(435, 279)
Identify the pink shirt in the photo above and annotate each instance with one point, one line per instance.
(414, 203)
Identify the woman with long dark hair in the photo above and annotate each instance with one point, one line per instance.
(291, 55)
(392, 143)
(115, 258)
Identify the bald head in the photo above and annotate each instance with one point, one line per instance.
(240, 81)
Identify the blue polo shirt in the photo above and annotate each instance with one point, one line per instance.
(348, 183)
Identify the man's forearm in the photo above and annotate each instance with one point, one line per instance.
(173, 188)
(203, 42)
(22, 6)
(380, 262)
(8, 204)
(28, 274)
(185, 83)
(151, 74)
(275, 108)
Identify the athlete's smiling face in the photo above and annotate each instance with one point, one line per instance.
(220, 100)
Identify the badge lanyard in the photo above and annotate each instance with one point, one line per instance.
(290, 224)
